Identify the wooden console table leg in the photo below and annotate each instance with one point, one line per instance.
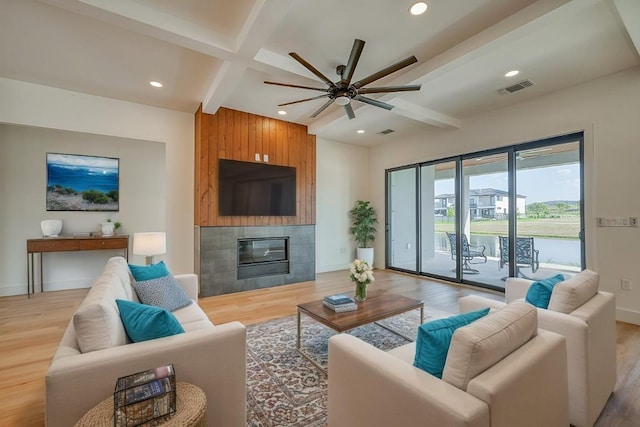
(29, 276)
(41, 277)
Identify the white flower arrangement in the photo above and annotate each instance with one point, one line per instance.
(361, 272)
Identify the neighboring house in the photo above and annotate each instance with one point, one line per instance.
(485, 203)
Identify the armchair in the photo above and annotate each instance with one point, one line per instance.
(590, 331)
(524, 387)
(468, 253)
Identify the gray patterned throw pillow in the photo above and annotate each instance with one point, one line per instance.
(163, 292)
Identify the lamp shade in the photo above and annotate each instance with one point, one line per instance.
(149, 244)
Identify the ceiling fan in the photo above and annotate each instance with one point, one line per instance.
(343, 91)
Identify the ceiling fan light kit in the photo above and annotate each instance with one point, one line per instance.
(343, 91)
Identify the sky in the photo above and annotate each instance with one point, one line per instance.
(538, 185)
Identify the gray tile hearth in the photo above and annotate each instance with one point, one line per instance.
(217, 257)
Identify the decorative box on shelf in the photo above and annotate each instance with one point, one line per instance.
(145, 398)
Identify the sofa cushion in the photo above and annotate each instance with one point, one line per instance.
(96, 322)
(163, 292)
(432, 343)
(190, 314)
(146, 322)
(572, 293)
(118, 266)
(483, 343)
(539, 292)
(148, 272)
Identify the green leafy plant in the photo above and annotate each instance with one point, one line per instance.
(364, 219)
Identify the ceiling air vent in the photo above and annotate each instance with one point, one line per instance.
(516, 87)
(386, 132)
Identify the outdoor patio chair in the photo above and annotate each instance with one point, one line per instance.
(468, 253)
(526, 255)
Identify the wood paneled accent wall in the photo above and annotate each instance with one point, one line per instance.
(236, 135)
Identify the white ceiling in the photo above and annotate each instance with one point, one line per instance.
(219, 52)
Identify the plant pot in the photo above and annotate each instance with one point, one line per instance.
(107, 228)
(366, 254)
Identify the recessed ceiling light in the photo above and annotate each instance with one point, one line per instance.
(155, 84)
(418, 8)
(360, 131)
(282, 113)
(512, 73)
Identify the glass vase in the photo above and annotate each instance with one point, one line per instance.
(361, 292)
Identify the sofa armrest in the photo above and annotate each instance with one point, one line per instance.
(515, 288)
(528, 387)
(213, 358)
(369, 387)
(189, 283)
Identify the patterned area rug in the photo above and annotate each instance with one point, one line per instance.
(284, 388)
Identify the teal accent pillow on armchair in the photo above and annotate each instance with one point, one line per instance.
(539, 293)
(146, 322)
(434, 338)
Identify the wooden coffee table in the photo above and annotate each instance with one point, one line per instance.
(378, 306)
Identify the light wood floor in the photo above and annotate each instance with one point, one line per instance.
(31, 329)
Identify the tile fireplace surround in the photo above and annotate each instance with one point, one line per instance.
(216, 257)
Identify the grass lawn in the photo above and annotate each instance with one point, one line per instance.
(566, 228)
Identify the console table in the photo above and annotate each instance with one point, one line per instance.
(68, 244)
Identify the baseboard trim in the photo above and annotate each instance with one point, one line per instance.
(628, 316)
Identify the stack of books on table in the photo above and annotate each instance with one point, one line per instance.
(340, 303)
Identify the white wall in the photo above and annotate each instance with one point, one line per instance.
(23, 175)
(341, 179)
(51, 108)
(607, 110)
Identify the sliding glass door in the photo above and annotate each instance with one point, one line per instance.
(549, 229)
(401, 217)
(438, 218)
(515, 211)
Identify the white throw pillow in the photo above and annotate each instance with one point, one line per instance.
(97, 321)
(480, 345)
(572, 293)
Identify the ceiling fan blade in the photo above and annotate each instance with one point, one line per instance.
(312, 69)
(349, 111)
(373, 102)
(385, 72)
(389, 89)
(356, 51)
(302, 100)
(321, 109)
(296, 86)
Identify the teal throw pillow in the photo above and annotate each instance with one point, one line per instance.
(164, 292)
(539, 293)
(434, 338)
(146, 322)
(148, 272)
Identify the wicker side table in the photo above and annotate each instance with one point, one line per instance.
(191, 410)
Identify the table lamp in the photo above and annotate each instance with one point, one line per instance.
(149, 244)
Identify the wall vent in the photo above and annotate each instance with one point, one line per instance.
(386, 132)
(516, 87)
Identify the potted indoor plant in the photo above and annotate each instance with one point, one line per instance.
(364, 219)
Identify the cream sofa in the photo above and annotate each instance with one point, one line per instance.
(211, 357)
(504, 387)
(590, 330)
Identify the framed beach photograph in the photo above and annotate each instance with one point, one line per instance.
(82, 183)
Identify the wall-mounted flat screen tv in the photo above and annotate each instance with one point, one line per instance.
(256, 189)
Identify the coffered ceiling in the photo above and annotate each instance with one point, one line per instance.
(219, 53)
